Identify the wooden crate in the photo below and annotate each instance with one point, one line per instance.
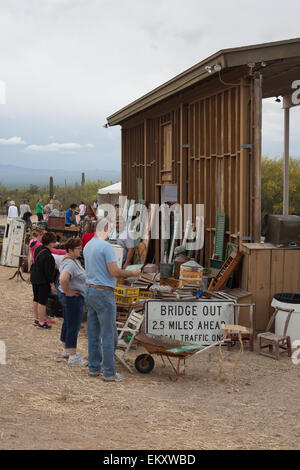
(56, 222)
(171, 281)
(268, 270)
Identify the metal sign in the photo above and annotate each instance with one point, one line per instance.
(196, 321)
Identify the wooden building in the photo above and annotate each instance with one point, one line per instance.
(201, 132)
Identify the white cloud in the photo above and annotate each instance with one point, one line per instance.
(55, 147)
(13, 141)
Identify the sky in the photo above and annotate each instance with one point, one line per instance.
(68, 64)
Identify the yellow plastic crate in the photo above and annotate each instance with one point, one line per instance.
(126, 300)
(126, 291)
(146, 294)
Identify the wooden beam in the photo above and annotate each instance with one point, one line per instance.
(286, 161)
(257, 157)
(183, 153)
(244, 159)
(145, 193)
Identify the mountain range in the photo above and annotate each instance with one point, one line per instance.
(16, 177)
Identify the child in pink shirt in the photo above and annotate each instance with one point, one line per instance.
(36, 241)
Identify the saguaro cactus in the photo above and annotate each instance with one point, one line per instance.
(51, 187)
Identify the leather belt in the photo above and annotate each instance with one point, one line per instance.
(101, 287)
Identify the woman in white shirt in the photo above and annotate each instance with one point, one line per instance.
(12, 210)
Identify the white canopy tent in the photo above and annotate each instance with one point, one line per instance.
(109, 194)
(112, 189)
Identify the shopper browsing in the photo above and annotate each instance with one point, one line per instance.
(42, 278)
(82, 210)
(24, 208)
(71, 295)
(71, 215)
(12, 210)
(102, 270)
(35, 242)
(39, 210)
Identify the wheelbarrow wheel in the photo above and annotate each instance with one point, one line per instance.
(144, 363)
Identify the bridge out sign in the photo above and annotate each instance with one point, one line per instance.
(196, 321)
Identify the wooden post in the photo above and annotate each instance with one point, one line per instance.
(244, 161)
(145, 162)
(286, 161)
(183, 153)
(257, 156)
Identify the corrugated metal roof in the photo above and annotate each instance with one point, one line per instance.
(227, 58)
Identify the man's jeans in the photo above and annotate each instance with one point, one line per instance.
(102, 330)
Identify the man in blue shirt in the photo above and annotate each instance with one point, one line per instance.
(102, 270)
(71, 215)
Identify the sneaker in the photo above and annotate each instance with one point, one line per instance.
(43, 326)
(113, 378)
(77, 360)
(36, 322)
(95, 373)
(65, 354)
(49, 320)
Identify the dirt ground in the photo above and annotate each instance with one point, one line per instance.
(45, 404)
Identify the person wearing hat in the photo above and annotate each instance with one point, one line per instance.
(12, 210)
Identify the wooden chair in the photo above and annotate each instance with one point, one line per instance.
(248, 335)
(276, 344)
(131, 327)
(228, 331)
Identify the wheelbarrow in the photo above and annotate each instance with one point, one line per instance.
(166, 348)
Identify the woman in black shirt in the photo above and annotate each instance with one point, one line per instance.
(42, 278)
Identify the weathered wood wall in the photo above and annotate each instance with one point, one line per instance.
(212, 136)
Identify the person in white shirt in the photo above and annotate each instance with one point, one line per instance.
(122, 237)
(24, 208)
(12, 210)
(82, 210)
